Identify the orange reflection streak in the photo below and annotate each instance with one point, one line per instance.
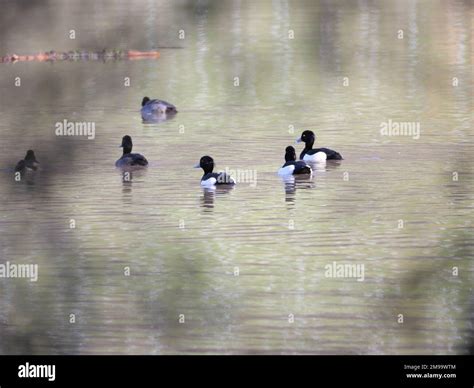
(77, 55)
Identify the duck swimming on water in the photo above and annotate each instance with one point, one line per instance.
(29, 163)
(211, 179)
(129, 159)
(317, 154)
(292, 166)
(153, 107)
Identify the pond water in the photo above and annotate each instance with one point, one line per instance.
(241, 270)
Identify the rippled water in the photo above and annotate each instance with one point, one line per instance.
(244, 268)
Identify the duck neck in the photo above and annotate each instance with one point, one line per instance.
(127, 150)
(208, 170)
(308, 146)
(30, 161)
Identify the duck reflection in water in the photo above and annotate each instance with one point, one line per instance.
(209, 195)
(129, 176)
(294, 182)
(127, 181)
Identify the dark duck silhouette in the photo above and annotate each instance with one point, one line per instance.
(153, 107)
(129, 159)
(28, 164)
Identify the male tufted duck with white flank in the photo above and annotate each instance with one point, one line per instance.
(317, 154)
(210, 179)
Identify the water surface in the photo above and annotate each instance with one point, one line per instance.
(245, 268)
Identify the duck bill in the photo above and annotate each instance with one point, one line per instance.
(299, 140)
(197, 166)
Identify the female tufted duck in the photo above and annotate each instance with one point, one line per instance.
(129, 159)
(153, 107)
